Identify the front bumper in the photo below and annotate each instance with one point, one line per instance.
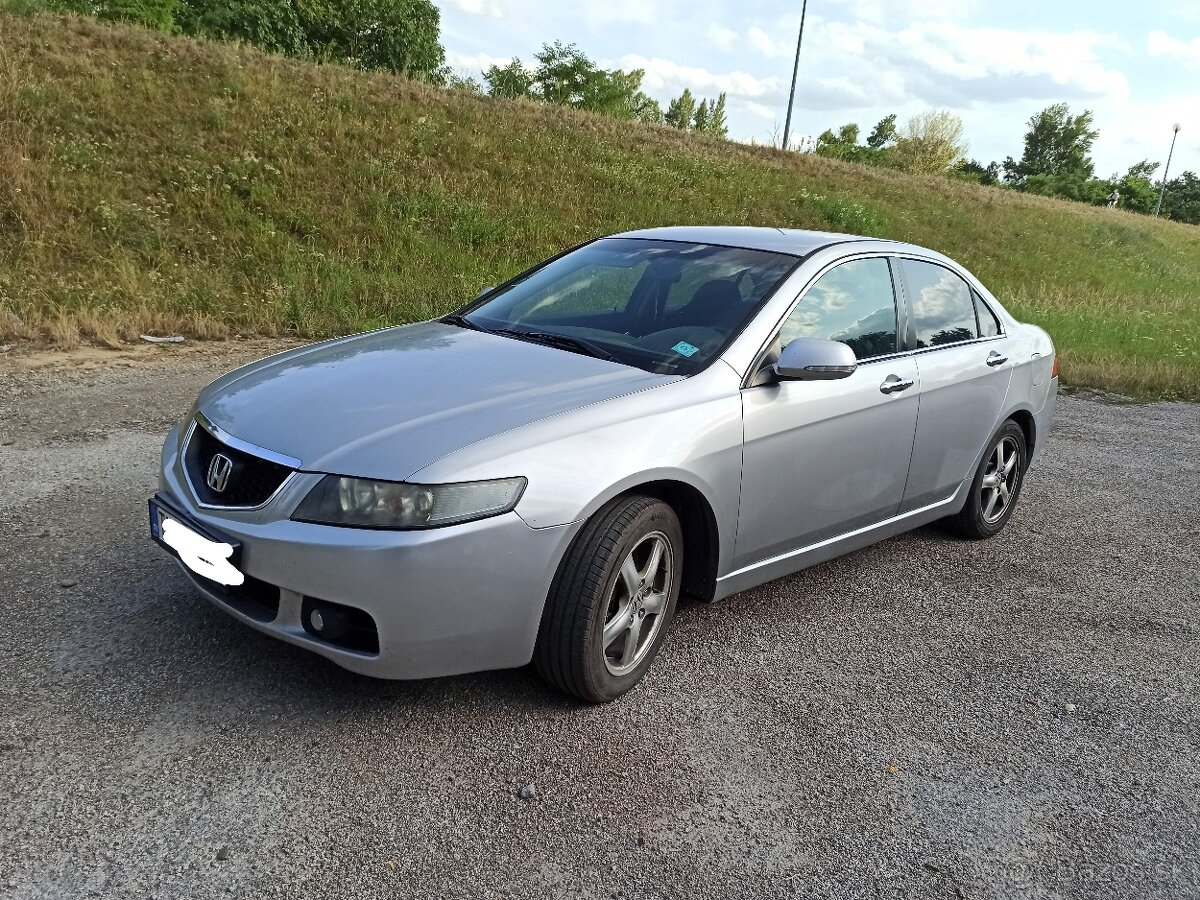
(444, 601)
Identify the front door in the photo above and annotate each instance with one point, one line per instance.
(822, 458)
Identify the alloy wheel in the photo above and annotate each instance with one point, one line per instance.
(636, 603)
(999, 482)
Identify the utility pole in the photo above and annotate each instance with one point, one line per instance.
(1167, 168)
(787, 123)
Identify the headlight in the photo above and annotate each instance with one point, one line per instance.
(363, 503)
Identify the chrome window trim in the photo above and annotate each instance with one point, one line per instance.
(199, 420)
(921, 351)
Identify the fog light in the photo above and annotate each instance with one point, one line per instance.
(328, 622)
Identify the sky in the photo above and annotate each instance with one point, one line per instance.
(1135, 65)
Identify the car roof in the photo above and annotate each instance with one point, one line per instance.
(793, 241)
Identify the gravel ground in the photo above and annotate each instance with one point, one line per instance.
(926, 718)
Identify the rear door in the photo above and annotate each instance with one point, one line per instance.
(961, 353)
(822, 458)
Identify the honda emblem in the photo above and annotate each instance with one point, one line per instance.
(218, 472)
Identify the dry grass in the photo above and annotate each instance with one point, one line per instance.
(153, 184)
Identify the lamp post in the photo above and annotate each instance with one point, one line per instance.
(1167, 168)
(787, 123)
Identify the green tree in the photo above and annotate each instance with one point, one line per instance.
(511, 81)
(930, 143)
(973, 170)
(700, 119)
(681, 111)
(273, 25)
(399, 35)
(1136, 187)
(457, 81)
(158, 14)
(1182, 199)
(562, 73)
(717, 125)
(566, 76)
(618, 93)
(647, 108)
(839, 144)
(1057, 144)
(1069, 187)
(884, 133)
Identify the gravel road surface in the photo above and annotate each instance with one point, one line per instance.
(927, 718)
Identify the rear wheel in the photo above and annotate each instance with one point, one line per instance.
(996, 486)
(612, 600)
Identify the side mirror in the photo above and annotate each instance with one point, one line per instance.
(809, 359)
(486, 290)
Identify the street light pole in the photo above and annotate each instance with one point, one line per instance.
(1167, 168)
(787, 123)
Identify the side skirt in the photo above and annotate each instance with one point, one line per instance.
(795, 560)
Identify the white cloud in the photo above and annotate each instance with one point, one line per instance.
(943, 64)
(1160, 43)
(879, 11)
(721, 37)
(475, 61)
(490, 8)
(1188, 10)
(665, 75)
(761, 110)
(762, 42)
(624, 12)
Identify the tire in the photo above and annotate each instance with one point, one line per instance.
(596, 602)
(990, 504)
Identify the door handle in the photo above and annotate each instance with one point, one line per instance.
(894, 385)
(996, 359)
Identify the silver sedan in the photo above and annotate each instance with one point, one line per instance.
(540, 475)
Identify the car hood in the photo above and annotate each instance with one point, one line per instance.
(386, 404)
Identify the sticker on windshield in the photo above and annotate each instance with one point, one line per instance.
(685, 348)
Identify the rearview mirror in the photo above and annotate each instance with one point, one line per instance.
(809, 359)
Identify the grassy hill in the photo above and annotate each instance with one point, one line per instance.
(149, 182)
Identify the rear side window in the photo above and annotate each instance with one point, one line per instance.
(942, 307)
(989, 325)
(854, 303)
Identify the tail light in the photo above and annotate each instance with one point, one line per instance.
(1054, 368)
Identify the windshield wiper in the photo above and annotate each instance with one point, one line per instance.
(562, 341)
(462, 322)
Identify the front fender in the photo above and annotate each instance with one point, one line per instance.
(688, 432)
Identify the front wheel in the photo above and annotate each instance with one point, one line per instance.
(612, 600)
(996, 486)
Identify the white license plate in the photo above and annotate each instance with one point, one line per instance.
(209, 559)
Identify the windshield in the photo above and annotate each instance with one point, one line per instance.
(663, 306)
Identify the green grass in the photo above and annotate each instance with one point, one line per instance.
(149, 182)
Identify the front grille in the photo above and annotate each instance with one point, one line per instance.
(251, 481)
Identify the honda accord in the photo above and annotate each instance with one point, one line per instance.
(541, 474)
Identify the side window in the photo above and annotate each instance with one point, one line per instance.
(854, 303)
(942, 308)
(989, 325)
